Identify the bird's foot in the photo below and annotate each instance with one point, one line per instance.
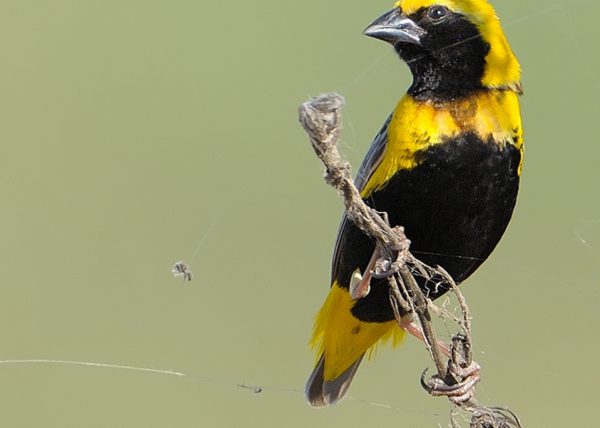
(459, 392)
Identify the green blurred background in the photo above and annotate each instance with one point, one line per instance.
(137, 133)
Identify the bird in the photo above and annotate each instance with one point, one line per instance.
(446, 166)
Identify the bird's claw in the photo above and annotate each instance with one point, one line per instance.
(461, 391)
(384, 268)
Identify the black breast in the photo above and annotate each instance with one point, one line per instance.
(454, 206)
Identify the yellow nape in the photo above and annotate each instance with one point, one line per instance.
(502, 69)
(492, 115)
(343, 338)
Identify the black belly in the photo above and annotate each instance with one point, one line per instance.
(454, 206)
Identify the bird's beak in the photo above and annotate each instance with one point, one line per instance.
(394, 27)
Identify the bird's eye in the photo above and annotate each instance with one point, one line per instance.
(437, 12)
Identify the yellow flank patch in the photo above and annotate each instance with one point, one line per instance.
(502, 70)
(344, 339)
(418, 125)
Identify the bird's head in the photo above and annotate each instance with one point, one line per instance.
(451, 46)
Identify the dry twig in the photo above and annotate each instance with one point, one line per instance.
(456, 377)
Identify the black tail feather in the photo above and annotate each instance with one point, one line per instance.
(321, 393)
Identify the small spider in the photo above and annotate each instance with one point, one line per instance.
(181, 270)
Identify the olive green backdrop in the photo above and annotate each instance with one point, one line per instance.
(137, 133)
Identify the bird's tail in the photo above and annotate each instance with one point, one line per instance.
(342, 341)
(321, 393)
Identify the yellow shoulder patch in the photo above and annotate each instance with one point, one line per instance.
(418, 125)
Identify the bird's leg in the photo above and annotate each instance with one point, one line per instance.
(408, 325)
(360, 286)
(379, 267)
(463, 374)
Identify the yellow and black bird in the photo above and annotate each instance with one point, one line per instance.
(446, 166)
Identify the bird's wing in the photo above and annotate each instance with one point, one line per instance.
(373, 157)
(369, 165)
